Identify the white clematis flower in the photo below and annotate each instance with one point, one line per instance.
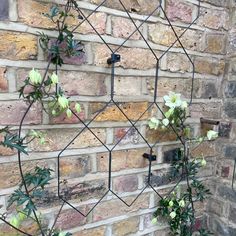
(173, 100)
(211, 135)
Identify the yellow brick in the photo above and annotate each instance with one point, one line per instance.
(19, 46)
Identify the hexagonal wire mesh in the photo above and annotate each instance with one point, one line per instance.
(112, 61)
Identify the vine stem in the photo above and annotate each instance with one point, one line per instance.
(19, 153)
(186, 163)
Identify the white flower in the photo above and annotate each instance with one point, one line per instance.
(171, 203)
(173, 214)
(35, 77)
(77, 107)
(54, 78)
(63, 102)
(211, 134)
(165, 122)
(184, 105)
(173, 100)
(203, 162)
(153, 123)
(182, 203)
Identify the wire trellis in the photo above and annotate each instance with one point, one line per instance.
(112, 61)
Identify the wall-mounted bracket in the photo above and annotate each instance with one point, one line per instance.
(113, 59)
(150, 157)
(208, 121)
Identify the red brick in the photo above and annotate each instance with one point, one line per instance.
(127, 183)
(81, 83)
(12, 112)
(178, 10)
(70, 219)
(123, 28)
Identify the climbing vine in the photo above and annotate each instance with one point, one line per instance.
(178, 207)
(44, 88)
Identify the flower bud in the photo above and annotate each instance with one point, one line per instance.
(173, 214)
(203, 162)
(68, 113)
(35, 77)
(63, 102)
(77, 107)
(171, 203)
(54, 78)
(182, 203)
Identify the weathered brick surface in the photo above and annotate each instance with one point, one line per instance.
(215, 43)
(127, 183)
(121, 160)
(123, 28)
(70, 219)
(114, 208)
(10, 175)
(55, 139)
(209, 66)
(72, 167)
(131, 58)
(80, 83)
(91, 232)
(164, 35)
(179, 10)
(126, 227)
(214, 19)
(18, 46)
(11, 113)
(140, 7)
(132, 111)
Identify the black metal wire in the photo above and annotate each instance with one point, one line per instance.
(113, 102)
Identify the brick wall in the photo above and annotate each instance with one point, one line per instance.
(221, 207)
(86, 79)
